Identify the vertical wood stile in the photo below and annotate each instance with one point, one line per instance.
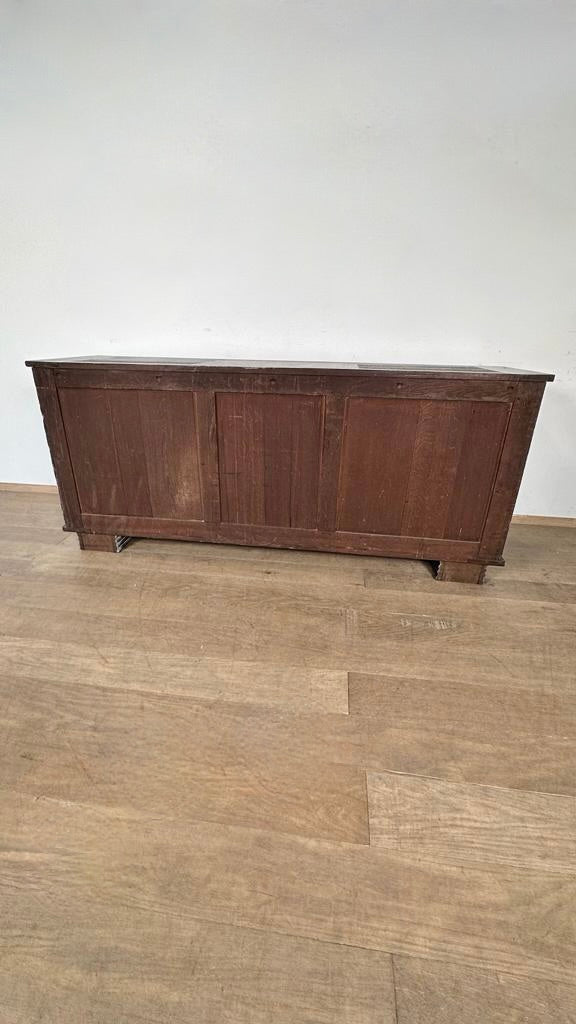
(509, 474)
(207, 436)
(58, 445)
(332, 443)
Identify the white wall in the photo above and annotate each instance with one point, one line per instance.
(319, 179)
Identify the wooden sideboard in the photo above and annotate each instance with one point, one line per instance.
(406, 461)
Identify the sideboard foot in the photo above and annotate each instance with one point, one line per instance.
(102, 542)
(461, 572)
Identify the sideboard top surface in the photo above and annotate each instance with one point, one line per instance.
(250, 366)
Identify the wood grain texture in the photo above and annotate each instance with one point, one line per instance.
(485, 427)
(134, 454)
(451, 823)
(51, 410)
(420, 469)
(269, 459)
(284, 368)
(349, 894)
(378, 444)
(210, 679)
(519, 433)
(90, 435)
(434, 462)
(179, 766)
(489, 387)
(296, 627)
(170, 440)
(460, 572)
(405, 463)
(433, 993)
(474, 732)
(101, 542)
(280, 537)
(538, 758)
(185, 971)
(332, 435)
(187, 732)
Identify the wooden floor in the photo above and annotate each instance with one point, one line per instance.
(256, 786)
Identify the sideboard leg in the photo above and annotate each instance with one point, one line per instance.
(102, 542)
(461, 572)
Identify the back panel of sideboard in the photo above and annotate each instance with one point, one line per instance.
(367, 466)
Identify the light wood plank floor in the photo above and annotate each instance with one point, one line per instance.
(255, 786)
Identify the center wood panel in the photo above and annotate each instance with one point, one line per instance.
(135, 453)
(269, 449)
(419, 468)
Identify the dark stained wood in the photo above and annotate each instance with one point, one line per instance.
(58, 444)
(129, 446)
(284, 537)
(523, 418)
(102, 542)
(458, 388)
(416, 462)
(269, 459)
(206, 427)
(378, 444)
(88, 422)
(434, 468)
(480, 454)
(133, 454)
(280, 366)
(461, 572)
(420, 469)
(334, 412)
(171, 445)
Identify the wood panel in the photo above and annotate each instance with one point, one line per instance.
(376, 459)
(451, 823)
(332, 434)
(445, 993)
(90, 434)
(270, 449)
(169, 432)
(420, 469)
(134, 453)
(434, 464)
(481, 450)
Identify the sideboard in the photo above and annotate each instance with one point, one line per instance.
(405, 461)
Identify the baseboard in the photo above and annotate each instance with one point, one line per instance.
(48, 488)
(518, 520)
(543, 521)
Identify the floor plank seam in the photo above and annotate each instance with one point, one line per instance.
(394, 989)
(467, 783)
